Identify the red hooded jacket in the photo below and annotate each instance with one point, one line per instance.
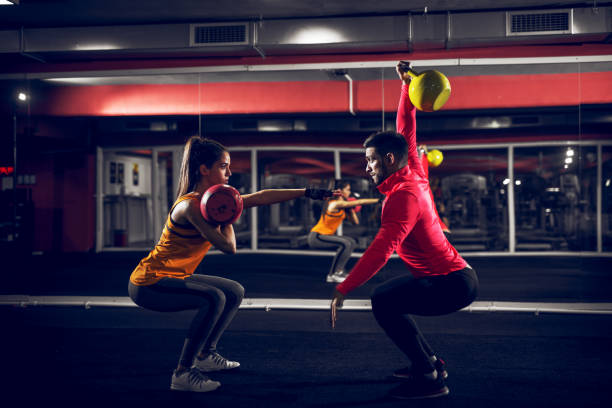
(409, 222)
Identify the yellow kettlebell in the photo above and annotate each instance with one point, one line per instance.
(434, 157)
(428, 90)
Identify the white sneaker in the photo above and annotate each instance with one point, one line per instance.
(337, 277)
(214, 362)
(193, 380)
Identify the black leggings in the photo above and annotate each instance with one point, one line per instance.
(215, 299)
(344, 245)
(394, 300)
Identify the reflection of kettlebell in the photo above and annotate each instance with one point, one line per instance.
(428, 90)
(434, 157)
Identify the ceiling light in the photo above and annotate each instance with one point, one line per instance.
(22, 96)
(316, 35)
(96, 47)
(487, 122)
(9, 2)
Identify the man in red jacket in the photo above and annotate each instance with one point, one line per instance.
(440, 280)
(425, 165)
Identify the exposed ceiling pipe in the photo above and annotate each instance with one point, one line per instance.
(448, 30)
(22, 47)
(350, 80)
(410, 33)
(256, 38)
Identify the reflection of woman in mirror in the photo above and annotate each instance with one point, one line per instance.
(323, 234)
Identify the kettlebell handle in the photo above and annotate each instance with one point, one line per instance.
(407, 69)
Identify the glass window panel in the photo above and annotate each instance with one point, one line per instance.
(286, 225)
(555, 198)
(241, 179)
(468, 191)
(167, 186)
(471, 199)
(606, 198)
(352, 167)
(586, 212)
(128, 207)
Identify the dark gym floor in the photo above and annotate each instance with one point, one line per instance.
(124, 356)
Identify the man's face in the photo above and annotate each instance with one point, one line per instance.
(375, 166)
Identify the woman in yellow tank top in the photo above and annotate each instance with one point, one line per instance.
(165, 281)
(322, 235)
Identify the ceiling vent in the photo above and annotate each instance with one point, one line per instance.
(539, 23)
(219, 34)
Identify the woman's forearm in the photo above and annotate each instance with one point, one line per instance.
(365, 201)
(271, 196)
(355, 203)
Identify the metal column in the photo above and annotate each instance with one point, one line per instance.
(253, 190)
(99, 199)
(599, 205)
(511, 217)
(337, 176)
(157, 224)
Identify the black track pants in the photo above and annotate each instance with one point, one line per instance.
(215, 299)
(395, 300)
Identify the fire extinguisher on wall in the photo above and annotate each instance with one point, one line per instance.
(135, 174)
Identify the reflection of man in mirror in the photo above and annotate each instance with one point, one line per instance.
(436, 191)
(434, 185)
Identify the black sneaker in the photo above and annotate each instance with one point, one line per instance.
(406, 373)
(418, 388)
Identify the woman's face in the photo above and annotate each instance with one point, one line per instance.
(220, 171)
(346, 191)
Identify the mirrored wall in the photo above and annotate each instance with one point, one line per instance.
(521, 174)
(552, 200)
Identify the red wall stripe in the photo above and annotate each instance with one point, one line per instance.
(273, 97)
(502, 91)
(473, 92)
